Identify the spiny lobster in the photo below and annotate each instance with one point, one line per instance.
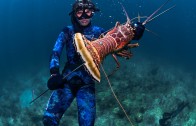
(93, 52)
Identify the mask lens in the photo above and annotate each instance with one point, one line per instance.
(79, 13)
(88, 12)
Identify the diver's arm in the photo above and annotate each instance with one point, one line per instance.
(56, 53)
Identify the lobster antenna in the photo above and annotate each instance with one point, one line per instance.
(49, 89)
(138, 17)
(155, 18)
(148, 18)
(162, 13)
(146, 21)
(152, 33)
(116, 96)
(128, 19)
(39, 96)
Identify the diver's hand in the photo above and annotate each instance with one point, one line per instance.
(139, 30)
(55, 81)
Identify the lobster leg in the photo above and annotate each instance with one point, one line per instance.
(117, 63)
(125, 54)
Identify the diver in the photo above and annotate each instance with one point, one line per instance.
(79, 83)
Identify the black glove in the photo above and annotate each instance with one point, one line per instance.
(56, 81)
(54, 70)
(139, 30)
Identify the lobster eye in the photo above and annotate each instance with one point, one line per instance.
(135, 25)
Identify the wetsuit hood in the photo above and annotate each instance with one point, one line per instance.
(81, 4)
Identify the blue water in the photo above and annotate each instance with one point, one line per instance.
(29, 28)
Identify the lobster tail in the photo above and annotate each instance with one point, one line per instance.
(87, 54)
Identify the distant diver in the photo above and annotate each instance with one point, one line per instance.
(168, 116)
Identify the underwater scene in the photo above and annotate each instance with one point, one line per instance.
(156, 86)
